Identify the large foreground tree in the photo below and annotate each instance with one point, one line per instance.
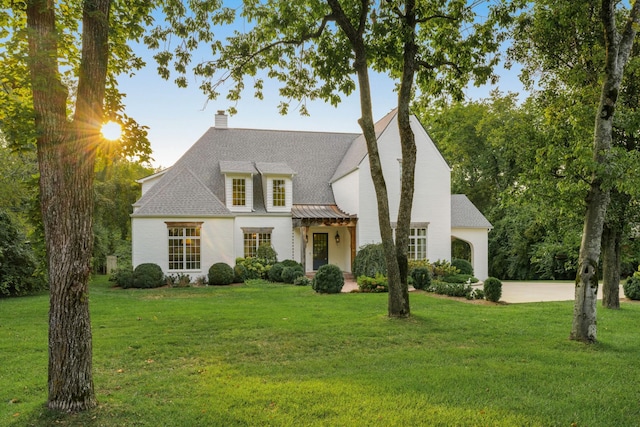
(60, 59)
(618, 46)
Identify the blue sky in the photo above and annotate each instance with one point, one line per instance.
(177, 117)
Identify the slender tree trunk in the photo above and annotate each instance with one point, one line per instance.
(361, 64)
(611, 267)
(612, 236)
(66, 152)
(618, 49)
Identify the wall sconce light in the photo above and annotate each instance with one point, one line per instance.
(337, 237)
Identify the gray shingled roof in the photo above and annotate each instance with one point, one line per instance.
(312, 158)
(183, 194)
(464, 214)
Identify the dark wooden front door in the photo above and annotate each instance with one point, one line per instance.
(320, 250)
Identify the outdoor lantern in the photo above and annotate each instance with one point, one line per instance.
(337, 237)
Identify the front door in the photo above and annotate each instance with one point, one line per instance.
(320, 250)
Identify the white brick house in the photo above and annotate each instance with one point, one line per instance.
(309, 194)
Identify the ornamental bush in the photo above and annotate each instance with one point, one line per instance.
(492, 289)
(373, 284)
(421, 277)
(302, 281)
(221, 273)
(291, 263)
(463, 265)
(632, 288)
(328, 280)
(275, 273)
(147, 276)
(240, 273)
(370, 261)
(460, 278)
(266, 253)
(290, 274)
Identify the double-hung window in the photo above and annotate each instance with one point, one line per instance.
(184, 246)
(254, 238)
(417, 244)
(239, 189)
(279, 193)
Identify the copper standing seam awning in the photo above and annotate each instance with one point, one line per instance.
(314, 215)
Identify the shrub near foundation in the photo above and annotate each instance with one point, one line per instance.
(220, 274)
(328, 280)
(148, 276)
(492, 289)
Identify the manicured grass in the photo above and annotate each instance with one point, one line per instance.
(265, 354)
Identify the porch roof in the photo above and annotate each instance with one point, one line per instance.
(306, 215)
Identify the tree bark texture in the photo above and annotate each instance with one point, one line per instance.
(66, 153)
(618, 49)
(611, 251)
(397, 305)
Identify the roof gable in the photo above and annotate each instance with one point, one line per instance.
(181, 195)
(464, 213)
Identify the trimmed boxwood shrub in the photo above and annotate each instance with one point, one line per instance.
(492, 289)
(370, 261)
(291, 263)
(123, 277)
(328, 280)
(275, 273)
(632, 288)
(290, 274)
(239, 273)
(148, 275)
(421, 277)
(302, 281)
(463, 265)
(373, 284)
(220, 273)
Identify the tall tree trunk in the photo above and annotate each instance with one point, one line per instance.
(396, 307)
(611, 267)
(66, 152)
(618, 49)
(612, 236)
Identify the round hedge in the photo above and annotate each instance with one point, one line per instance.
(492, 289)
(328, 280)
(221, 273)
(290, 274)
(632, 288)
(463, 265)
(148, 275)
(421, 278)
(275, 272)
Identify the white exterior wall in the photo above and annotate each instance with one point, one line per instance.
(477, 238)
(343, 192)
(339, 253)
(281, 235)
(150, 242)
(432, 197)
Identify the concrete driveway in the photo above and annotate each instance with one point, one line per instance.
(519, 292)
(515, 292)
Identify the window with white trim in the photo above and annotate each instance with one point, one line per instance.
(184, 246)
(239, 192)
(254, 238)
(279, 193)
(417, 244)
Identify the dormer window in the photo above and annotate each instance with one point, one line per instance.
(239, 192)
(279, 193)
(277, 184)
(238, 185)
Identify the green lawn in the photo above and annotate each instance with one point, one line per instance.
(279, 355)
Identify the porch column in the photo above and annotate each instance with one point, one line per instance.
(303, 247)
(352, 234)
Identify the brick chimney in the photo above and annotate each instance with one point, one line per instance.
(220, 120)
